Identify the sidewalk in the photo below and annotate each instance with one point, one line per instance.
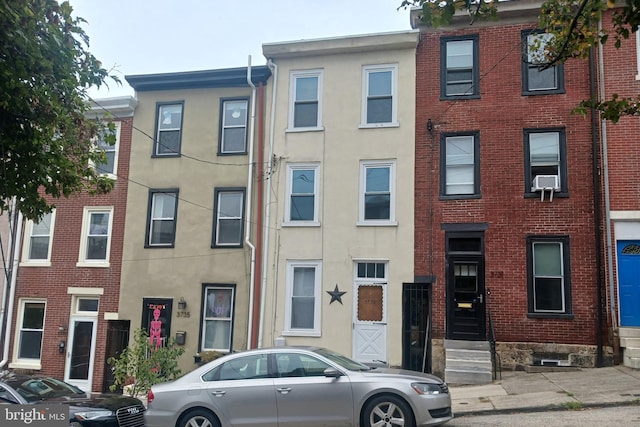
(544, 391)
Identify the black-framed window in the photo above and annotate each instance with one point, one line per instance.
(228, 222)
(168, 134)
(545, 153)
(217, 317)
(460, 165)
(161, 218)
(459, 67)
(537, 80)
(233, 126)
(548, 276)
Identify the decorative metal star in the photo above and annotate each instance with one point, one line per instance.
(336, 295)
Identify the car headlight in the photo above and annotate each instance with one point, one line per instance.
(93, 414)
(427, 388)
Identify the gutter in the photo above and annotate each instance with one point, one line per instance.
(10, 290)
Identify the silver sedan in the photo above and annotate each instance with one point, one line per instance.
(298, 387)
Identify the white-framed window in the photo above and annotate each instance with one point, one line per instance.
(371, 271)
(303, 291)
(379, 95)
(305, 104)
(301, 205)
(38, 240)
(217, 318)
(638, 53)
(29, 333)
(110, 166)
(168, 129)
(377, 192)
(229, 217)
(95, 240)
(233, 124)
(85, 305)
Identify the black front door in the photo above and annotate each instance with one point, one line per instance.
(156, 319)
(466, 298)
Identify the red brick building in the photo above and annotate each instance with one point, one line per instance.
(505, 227)
(68, 281)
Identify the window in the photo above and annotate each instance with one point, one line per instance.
(459, 67)
(377, 195)
(229, 217)
(535, 80)
(304, 283)
(96, 237)
(305, 109)
(460, 165)
(299, 365)
(301, 205)
(545, 154)
(168, 129)
(549, 281)
(379, 103)
(110, 166)
(638, 54)
(233, 123)
(30, 331)
(240, 368)
(161, 219)
(371, 270)
(217, 318)
(38, 240)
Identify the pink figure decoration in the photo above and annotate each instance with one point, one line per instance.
(155, 329)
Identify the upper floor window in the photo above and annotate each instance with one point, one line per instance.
(110, 165)
(229, 217)
(460, 165)
(161, 218)
(545, 154)
(38, 240)
(638, 53)
(96, 237)
(377, 193)
(301, 205)
(535, 78)
(305, 105)
(459, 67)
(549, 279)
(168, 129)
(303, 291)
(379, 102)
(233, 124)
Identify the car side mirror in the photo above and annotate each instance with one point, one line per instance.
(332, 373)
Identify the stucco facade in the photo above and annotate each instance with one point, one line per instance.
(340, 194)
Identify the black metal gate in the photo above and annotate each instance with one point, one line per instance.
(416, 327)
(117, 340)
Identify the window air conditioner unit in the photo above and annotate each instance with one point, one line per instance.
(546, 182)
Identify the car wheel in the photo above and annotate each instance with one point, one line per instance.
(387, 411)
(199, 418)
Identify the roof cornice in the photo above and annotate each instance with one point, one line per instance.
(121, 106)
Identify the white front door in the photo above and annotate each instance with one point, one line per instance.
(370, 323)
(81, 346)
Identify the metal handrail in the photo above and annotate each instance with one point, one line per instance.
(495, 357)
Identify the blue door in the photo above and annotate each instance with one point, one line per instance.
(629, 282)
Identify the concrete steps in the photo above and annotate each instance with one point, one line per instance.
(630, 340)
(468, 362)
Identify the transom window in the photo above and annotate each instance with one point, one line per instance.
(380, 98)
(161, 228)
(371, 270)
(168, 129)
(305, 110)
(535, 79)
(460, 165)
(459, 67)
(233, 135)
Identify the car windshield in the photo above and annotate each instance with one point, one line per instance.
(37, 389)
(342, 360)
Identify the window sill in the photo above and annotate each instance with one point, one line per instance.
(301, 334)
(459, 196)
(376, 224)
(379, 125)
(301, 224)
(104, 264)
(637, 76)
(162, 156)
(537, 195)
(35, 264)
(297, 130)
(23, 365)
(459, 97)
(565, 316)
(544, 92)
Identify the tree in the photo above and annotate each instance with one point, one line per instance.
(573, 25)
(45, 136)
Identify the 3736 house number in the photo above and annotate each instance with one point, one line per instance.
(183, 314)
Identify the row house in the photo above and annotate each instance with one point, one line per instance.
(65, 295)
(506, 236)
(340, 195)
(191, 240)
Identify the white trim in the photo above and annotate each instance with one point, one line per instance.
(625, 215)
(85, 385)
(116, 149)
(85, 291)
(229, 319)
(27, 363)
(638, 54)
(291, 167)
(366, 71)
(318, 73)
(364, 165)
(317, 294)
(84, 236)
(26, 247)
(111, 316)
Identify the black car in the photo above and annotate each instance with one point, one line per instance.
(85, 409)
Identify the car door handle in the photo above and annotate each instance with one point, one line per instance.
(284, 390)
(219, 393)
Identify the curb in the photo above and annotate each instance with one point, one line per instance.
(547, 408)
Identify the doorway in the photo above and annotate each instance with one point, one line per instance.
(628, 254)
(81, 352)
(416, 327)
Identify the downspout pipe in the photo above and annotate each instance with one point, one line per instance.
(7, 305)
(267, 216)
(248, 217)
(259, 219)
(597, 211)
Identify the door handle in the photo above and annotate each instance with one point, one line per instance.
(481, 296)
(284, 390)
(219, 393)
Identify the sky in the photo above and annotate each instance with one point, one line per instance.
(146, 37)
